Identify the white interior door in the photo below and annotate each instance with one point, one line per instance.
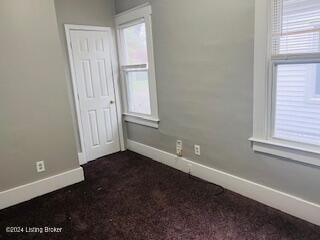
(94, 79)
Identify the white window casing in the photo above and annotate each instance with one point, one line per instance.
(138, 78)
(286, 117)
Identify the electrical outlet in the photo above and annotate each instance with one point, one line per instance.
(40, 166)
(179, 148)
(197, 150)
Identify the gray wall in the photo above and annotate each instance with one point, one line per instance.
(82, 12)
(204, 71)
(35, 119)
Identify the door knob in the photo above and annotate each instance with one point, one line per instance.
(111, 102)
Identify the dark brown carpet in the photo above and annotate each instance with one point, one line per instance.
(128, 196)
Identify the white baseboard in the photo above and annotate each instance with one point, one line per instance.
(31, 190)
(82, 158)
(279, 200)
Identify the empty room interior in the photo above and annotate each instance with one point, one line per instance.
(136, 119)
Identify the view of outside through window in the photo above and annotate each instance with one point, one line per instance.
(137, 81)
(317, 91)
(138, 92)
(296, 117)
(135, 44)
(296, 31)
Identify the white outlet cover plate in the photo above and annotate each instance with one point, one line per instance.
(40, 166)
(179, 147)
(197, 150)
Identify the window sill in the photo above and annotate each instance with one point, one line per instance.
(141, 120)
(298, 154)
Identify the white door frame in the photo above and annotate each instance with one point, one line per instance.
(114, 62)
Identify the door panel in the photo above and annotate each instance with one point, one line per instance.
(92, 60)
(87, 78)
(103, 77)
(108, 123)
(94, 131)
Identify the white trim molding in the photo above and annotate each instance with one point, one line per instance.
(284, 202)
(35, 189)
(82, 158)
(286, 151)
(145, 121)
(134, 16)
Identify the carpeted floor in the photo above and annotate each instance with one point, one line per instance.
(128, 196)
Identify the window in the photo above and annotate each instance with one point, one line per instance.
(137, 66)
(287, 79)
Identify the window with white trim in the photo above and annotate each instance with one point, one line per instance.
(137, 66)
(287, 79)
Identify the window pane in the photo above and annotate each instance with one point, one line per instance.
(135, 44)
(296, 26)
(138, 92)
(297, 118)
(318, 82)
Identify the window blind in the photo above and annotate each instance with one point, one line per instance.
(295, 27)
